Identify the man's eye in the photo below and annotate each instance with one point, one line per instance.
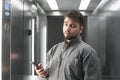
(72, 25)
(66, 24)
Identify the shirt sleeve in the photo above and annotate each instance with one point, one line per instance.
(49, 56)
(91, 66)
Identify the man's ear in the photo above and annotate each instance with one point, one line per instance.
(81, 29)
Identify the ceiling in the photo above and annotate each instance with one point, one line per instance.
(65, 5)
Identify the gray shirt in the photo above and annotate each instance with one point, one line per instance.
(74, 61)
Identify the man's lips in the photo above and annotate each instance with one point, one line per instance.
(67, 32)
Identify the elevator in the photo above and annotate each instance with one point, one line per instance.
(28, 30)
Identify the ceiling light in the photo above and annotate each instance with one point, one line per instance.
(114, 6)
(53, 4)
(84, 4)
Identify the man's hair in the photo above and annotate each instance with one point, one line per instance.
(76, 15)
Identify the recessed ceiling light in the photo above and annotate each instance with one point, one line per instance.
(84, 4)
(53, 4)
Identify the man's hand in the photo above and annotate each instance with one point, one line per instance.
(41, 71)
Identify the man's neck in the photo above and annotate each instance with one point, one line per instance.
(68, 41)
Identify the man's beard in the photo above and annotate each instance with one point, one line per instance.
(70, 37)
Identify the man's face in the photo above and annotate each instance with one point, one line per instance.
(71, 28)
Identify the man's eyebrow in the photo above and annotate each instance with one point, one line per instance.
(65, 21)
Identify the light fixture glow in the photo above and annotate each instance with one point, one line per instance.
(33, 44)
(1, 39)
(84, 4)
(44, 50)
(56, 13)
(53, 4)
(115, 5)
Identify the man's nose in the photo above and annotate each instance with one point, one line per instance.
(68, 27)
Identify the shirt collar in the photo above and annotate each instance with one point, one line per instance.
(73, 41)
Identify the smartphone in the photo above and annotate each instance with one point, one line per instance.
(34, 64)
